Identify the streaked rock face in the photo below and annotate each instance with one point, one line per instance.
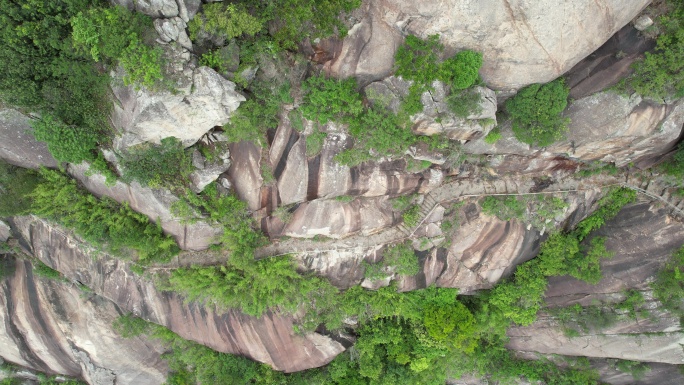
(270, 339)
(54, 327)
(643, 237)
(523, 41)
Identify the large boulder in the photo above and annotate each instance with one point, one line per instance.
(522, 41)
(201, 100)
(17, 144)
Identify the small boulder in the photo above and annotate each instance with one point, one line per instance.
(643, 22)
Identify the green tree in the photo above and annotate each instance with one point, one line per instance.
(536, 112)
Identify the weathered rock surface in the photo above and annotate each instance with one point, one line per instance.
(522, 41)
(173, 29)
(269, 339)
(436, 117)
(605, 127)
(298, 178)
(4, 231)
(643, 237)
(608, 64)
(204, 99)
(186, 9)
(155, 203)
(51, 326)
(614, 128)
(207, 171)
(17, 144)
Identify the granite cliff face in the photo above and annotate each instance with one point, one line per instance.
(341, 217)
(56, 327)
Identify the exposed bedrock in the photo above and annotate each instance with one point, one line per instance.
(298, 178)
(185, 9)
(17, 144)
(606, 127)
(202, 99)
(643, 237)
(269, 339)
(482, 249)
(54, 327)
(522, 41)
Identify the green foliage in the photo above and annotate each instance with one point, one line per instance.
(675, 165)
(418, 60)
(101, 221)
(493, 136)
(255, 116)
(668, 287)
(401, 257)
(163, 165)
(331, 99)
(66, 143)
(537, 113)
(504, 208)
(465, 103)
(40, 70)
(411, 216)
(116, 35)
(637, 369)
(129, 326)
(16, 185)
(45, 271)
(225, 20)
(660, 73)
(314, 143)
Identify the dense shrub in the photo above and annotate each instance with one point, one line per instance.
(225, 20)
(255, 116)
(166, 164)
(660, 73)
(536, 113)
(669, 284)
(116, 35)
(331, 99)
(66, 143)
(100, 221)
(16, 185)
(40, 70)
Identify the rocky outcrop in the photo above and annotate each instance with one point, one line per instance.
(522, 41)
(436, 117)
(270, 339)
(17, 144)
(185, 9)
(171, 30)
(606, 127)
(53, 326)
(643, 237)
(617, 129)
(300, 178)
(202, 100)
(155, 203)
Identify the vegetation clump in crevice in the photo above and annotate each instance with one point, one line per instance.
(538, 210)
(100, 221)
(167, 164)
(400, 258)
(668, 286)
(536, 112)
